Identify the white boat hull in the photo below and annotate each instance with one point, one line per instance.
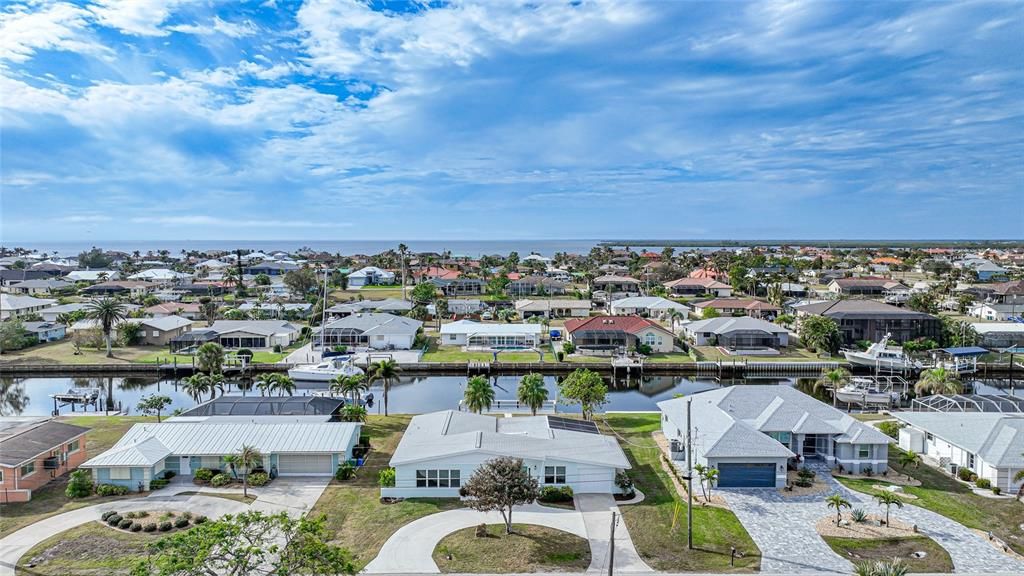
(871, 398)
(860, 359)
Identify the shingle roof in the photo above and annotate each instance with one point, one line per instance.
(262, 327)
(21, 443)
(998, 439)
(374, 323)
(727, 325)
(859, 309)
(11, 302)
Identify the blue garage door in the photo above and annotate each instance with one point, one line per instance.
(746, 475)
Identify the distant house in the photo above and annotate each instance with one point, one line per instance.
(698, 286)
(271, 268)
(435, 272)
(160, 331)
(37, 287)
(11, 276)
(160, 275)
(750, 433)
(995, 312)
(118, 287)
(372, 330)
(736, 333)
(872, 320)
(387, 306)
(990, 445)
(1000, 334)
(46, 331)
(254, 333)
(654, 306)
(460, 307)
(370, 276)
(460, 286)
(491, 336)
(864, 286)
(190, 310)
(92, 276)
(1008, 292)
(440, 451)
(613, 287)
(608, 334)
(34, 451)
(535, 286)
(709, 273)
(12, 306)
(738, 307)
(552, 308)
(277, 309)
(988, 271)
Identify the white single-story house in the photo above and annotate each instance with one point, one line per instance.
(12, 306)
(291, 446)
(989, 444)
(37, 286)
(51, 313)
(92, 275)
(750, 433)
(655, 306)
(254, 333)
(160, 275)
(387, 305)
(553, 308)
(480, 335)
(372, 330)
(995, 312)
(441, 450)
(460, 306)
(739, 332)
(370, 276)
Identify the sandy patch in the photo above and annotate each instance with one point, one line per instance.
(869, 529)
(817, 486)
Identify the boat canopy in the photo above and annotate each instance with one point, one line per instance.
(966, 351)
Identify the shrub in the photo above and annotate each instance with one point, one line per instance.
(149, 527)
(157, 484)
(136, 527)
(806, 473)
(181, 522)
(983, 483)
(258, 479)
(187, 515)
(220, 480)
(202, 476)
(107, 514)
(277, 348)
(890, 428)
(555, 494)
(125, 524)
(964, 474)
(141, 514)
(560, 356)
(804, 482)
(165, 526)
(386, 478)
(168, 474)
(974, 477)
(345, 471)
(114, 519)
(996, 490)
(111, 490)
(858, 515)
(80, 485)
(129, 515)
(200, 520)
(568, 347)
(624, 482)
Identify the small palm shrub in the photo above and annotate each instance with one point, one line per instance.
(858, 515)
(345, 471)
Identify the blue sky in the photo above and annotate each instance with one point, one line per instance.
(341, 119)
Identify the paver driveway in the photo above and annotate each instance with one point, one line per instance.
(783, 528)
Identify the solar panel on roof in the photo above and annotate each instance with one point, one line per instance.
(572, 425)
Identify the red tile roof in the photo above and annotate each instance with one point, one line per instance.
(630, 324)
(707, 273)
(705, 282)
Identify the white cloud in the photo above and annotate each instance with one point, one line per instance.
(218, 26)
(136, 17)
(58, 26)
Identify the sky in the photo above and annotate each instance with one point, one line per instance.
(380, 120)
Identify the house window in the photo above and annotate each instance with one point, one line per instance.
(120, 473)
(438, 479)
(156, 333)
(1, 475)
(74, 446)
(783, 437)
(554, 474)
(970, 461)
(28, 469)
(863, 451)
(928, 436)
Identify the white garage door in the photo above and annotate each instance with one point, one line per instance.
(304, 464)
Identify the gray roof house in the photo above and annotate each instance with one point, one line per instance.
(738, 333)
(751, 433)
(254, 333)
(372, 330)
(989, 444)
(441, 450)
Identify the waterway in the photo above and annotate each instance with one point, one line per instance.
(412, 394)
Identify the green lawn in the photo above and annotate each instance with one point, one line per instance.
(658, 524)
(50, 500)
(792, 354)
(63, 352)
(670, 357)
(89, 549)
(164, 357)
(858, 550)
(437, 353)
(353, 511)
(528, 549)
(940, 493)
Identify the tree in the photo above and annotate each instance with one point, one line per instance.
(267, 383)
(350, 386)
(154, 404)
(385, 371)
(196, 386)
(79, 484)
(500, 484)
(284, 385)
(821, 334)
(301, 282)
(909, 458)
(923, 302)
(210, 357)
(479, 394)
(710, 312)
(776, 295)
(938, 381)
(1019, 477)
(129, 333)
(585, 388)
(209, 309)
(710, 478)
(424, 293)
(701, 470)
(248, 544)
(888, 499)
(532, 392)
(108, 312)
(838, 502)
(833, 380)
(247, 458)
(353, 413)
(14, 336)
(95, 258)
(262, 280)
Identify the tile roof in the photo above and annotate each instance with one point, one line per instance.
(629, 324)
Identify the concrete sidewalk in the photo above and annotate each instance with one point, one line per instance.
(596, 510)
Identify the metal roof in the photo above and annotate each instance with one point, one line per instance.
(966, 351)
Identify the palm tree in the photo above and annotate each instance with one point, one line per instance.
(888, 499)
(210, 357)
(711, 477)
(909, 457)
(532, 392)
(386, 371)
(284, 385)
(1019, 477)
(938, 381)
(353, 413)
(196, 386)
(833, 380)
(701, 470)
(107, 312)
(266, 383)
(350, 386)
(838, 502)
(479, 394)
(248, 458)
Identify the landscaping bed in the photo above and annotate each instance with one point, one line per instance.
(528, 549)
(858, 550)
(657, 525)
(151, 522)
(90, 549)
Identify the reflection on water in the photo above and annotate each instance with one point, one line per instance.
(411, 394)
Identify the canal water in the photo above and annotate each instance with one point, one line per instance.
(413, 394)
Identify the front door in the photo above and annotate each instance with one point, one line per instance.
(810, 446)
(186, 466)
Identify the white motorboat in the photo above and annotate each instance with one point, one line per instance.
(867, 392)
(882, 356)
(325, 371)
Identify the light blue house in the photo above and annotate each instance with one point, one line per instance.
(46, 331)
(370, 276)
(291, 446)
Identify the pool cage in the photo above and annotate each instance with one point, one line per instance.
(968, 403)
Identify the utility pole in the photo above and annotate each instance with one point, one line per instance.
(689, 477)
(611, 548)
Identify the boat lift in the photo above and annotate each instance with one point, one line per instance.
(74, 397)
(962, 360)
